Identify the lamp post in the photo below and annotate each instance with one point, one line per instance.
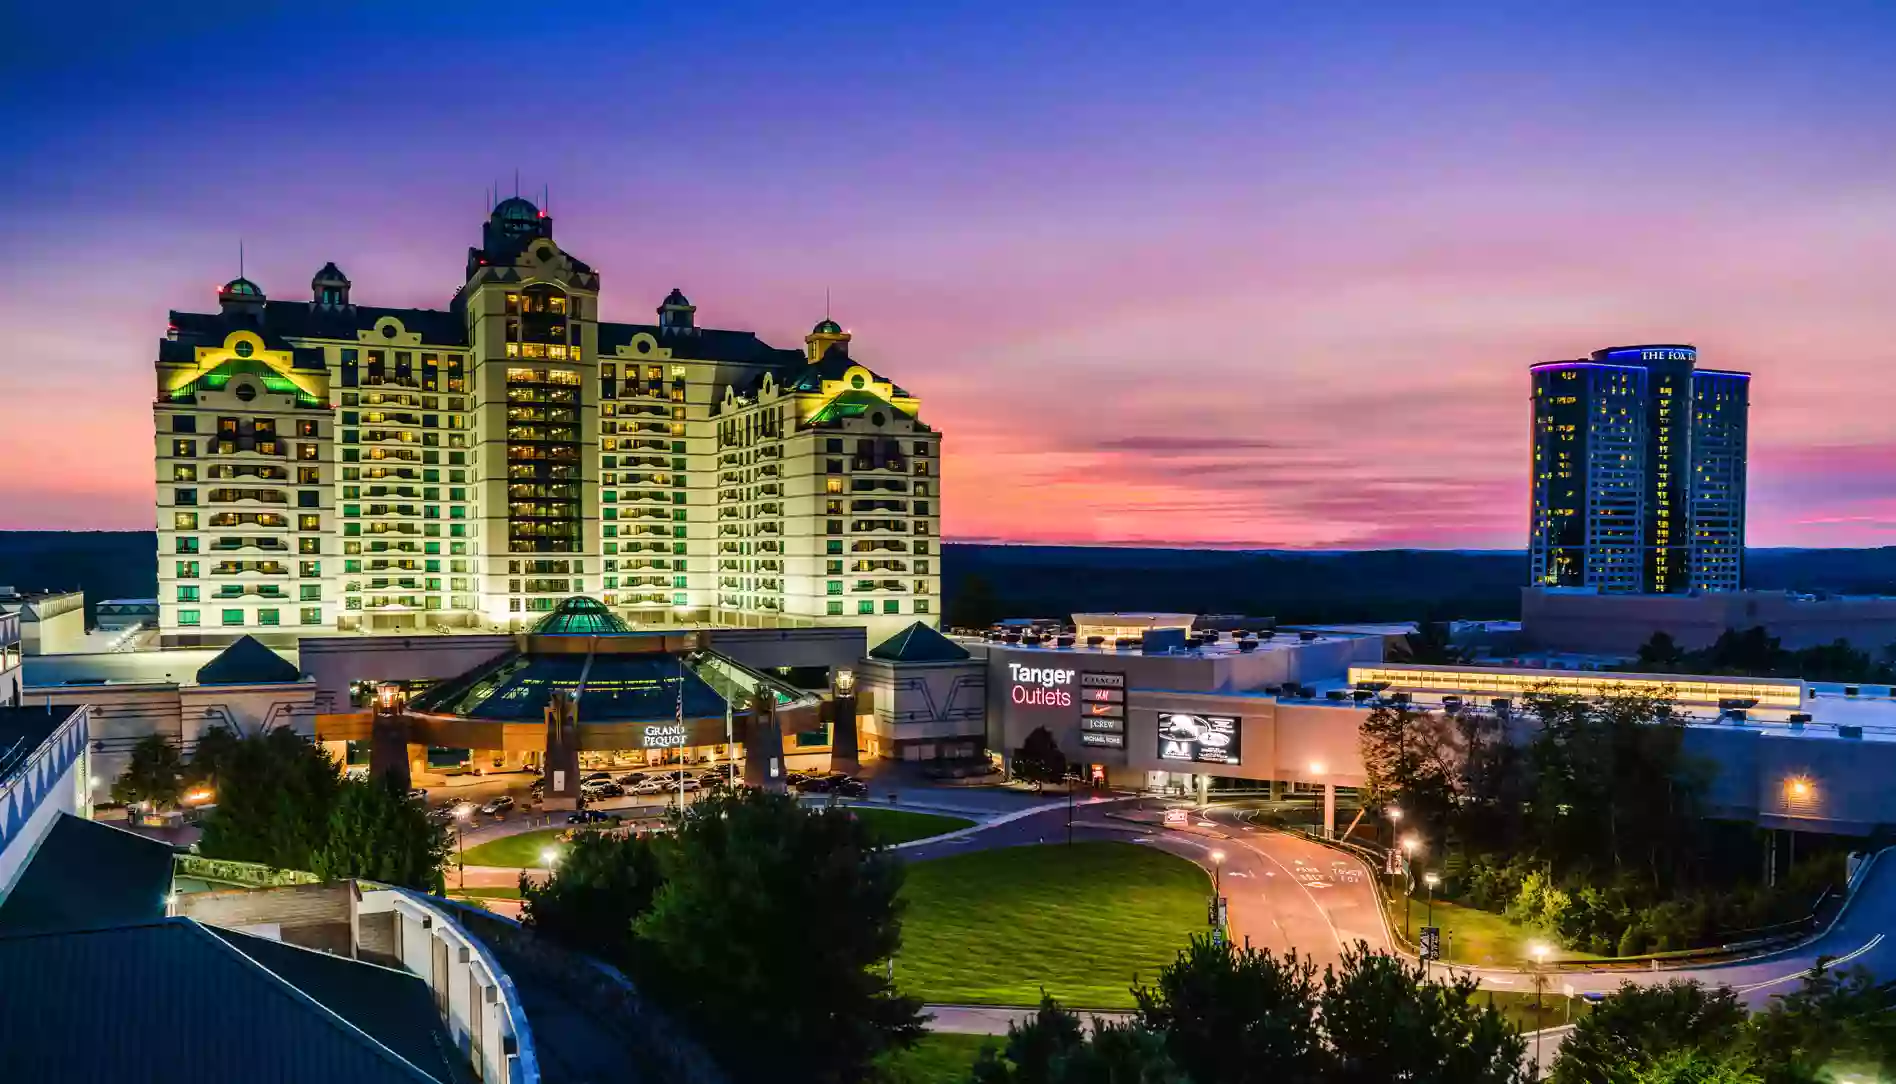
(1394, 813)
(460, 845)
(1539, 951)
(1431, 879)
(1217, 872)
(1409, 844)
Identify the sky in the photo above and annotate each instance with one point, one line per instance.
(1257, 275)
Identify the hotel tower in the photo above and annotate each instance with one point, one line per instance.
(324, 466)
(1639, 473)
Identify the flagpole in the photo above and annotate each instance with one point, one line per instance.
(681, 735)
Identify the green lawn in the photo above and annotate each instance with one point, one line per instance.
(517, 850)
(487, 893)
(995, 927)
(1483, 938)
(938, 1058)
(892, 826)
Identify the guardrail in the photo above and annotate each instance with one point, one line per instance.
(1733, 943)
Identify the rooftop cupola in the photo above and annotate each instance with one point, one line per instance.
(823, 337)
(240, 295)
(330, 288)
(677, 311)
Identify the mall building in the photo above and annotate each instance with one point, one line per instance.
(327, 466)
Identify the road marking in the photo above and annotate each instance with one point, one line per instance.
(1834, 964)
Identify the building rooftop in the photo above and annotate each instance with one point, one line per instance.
(24, 729)
(83, 874)
(178, 1002)
(247, 662)
(919, 643)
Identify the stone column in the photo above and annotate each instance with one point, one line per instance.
(562, 752)
(844, 753)
(1329, 810)
(388, 742)
(763, 745)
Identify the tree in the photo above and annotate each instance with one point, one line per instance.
(274, 800)
(215, 748)
(1660, 655)
(1631, 1030)
(1385, 1021)
(775, 922)
(1692, 1067)
(1055, 1048)
(1039, 760)
(155, 774)
(376, 832)
(1413, 758)
(1838, 1025)
(1432, 644)
(973, 605)
(1233, 1014)
(603, 884)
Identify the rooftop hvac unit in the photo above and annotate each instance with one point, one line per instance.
(1066, 639)
(1247, 646)
(1500, 703)
(1306, 637)
(1210, 636)
(1361, 695)
(1401, 698)
(1850, 690)
(1800, 717)
(1336, 694)
(1737, 715)
(1124, 642)
(1095, 641)
(1850, 732)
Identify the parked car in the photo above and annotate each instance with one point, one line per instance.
(443, 815)
(853, 788)
(586, 816)
(601, 789)
(596, 777)
(650, 786)
(686, 785)
(630, 778)
(815, 784)
(419, 794)
(495, 807)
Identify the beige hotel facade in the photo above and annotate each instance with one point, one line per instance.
(325, 467)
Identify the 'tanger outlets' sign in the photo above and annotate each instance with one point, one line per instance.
(1036, 686)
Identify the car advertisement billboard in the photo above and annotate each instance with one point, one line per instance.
(1199, 739)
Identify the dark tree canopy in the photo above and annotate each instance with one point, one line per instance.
(155, 774)
(1639, 1024)
(1039, 759)
(377, 832)
(603, 884)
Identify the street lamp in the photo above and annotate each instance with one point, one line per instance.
(1394, 813)
(461, 813)
(1217, 872)
(1431, 879)
(1409, 844)
(549, 856)
(1538, 950)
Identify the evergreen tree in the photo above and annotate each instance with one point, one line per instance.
(775, 922)
(1237, 1014)
(155, 774)
(375, 832)
(1385, 1021)
(1039, 760)
(602, 885)
(1055, 1048)
(274, 800)
(1634, 1028)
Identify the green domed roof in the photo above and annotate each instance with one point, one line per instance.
(515, 209)
(827, 327)
(580, 616)
(240, 288)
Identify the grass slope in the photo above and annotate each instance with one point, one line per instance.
(937, 1058)
(995, 927)
(892, 826)
(518, 850)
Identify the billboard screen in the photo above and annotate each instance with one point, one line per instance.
(1199, 739)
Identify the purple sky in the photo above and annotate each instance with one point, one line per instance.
(1262, 275)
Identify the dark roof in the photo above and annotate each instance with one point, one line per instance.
(165, 1002)
(618, 688)
(698, 344)
(394, 1007)
(329, 273)
(241, 287)
(23, 730)
(83, 873)
(248, 662)
(919, 643)
(676, 297)
(827, 326)
(282, 320)
(517, 209)
(580, 616)
(853, 404)
(834, 363)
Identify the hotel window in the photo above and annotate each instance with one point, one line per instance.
(187, 617)
(315, 523)
(310, 569)
(185, 521)
(184, 496)
(184, 472)
(312, 592)
(233, 617)
(835, 609)
(266, 617)
(187, 593)
(835, 587)
(309, 476)
(866, 606)
(184, 423)
(891, 605)
(183, 449)
(921, 605)
(312, 615)
(309, 545)
(188, 545)
(306, 429)
(187, 570)
(834, 545)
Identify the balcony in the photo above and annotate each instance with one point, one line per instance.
(249, 568)
(267, 545)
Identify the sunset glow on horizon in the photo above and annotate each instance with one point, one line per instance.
(1238, 278)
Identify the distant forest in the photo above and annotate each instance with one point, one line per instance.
(982, 583)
